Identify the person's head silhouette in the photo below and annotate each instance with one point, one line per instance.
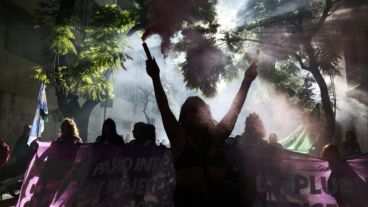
(69, 131)
(109, 128)
(26, 130)
(195, 115)
(350, 136)
(331, 153)
(254, 127)
(273, 139)
(144, 133)
(150, 132)
(138, 130)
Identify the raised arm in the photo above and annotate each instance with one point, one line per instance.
(170, 123)
(226, 125)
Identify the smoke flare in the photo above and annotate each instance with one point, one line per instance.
(167, 17)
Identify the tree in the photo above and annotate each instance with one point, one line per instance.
(147, 101)
(285, 77)
(84, 56)
(295, 30)
(195, 25)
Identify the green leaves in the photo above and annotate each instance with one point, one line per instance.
(205, 62)
(63, 40)
(96, 88)
(286, 30)
(287, 78)
(40, 74)
(110, 18)
(83, 66)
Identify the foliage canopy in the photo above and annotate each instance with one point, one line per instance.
(91, 52)
(290, 34)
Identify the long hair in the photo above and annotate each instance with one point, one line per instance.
(194, 104)
(196, 119)
(69, 129)
(109, 124)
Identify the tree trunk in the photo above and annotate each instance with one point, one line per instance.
(68, 103)
(325, 97)
(82, 118)
(70, 107)
(65, 13)
(326, 105)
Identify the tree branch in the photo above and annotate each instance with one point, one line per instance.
(90, 104)
(65, 12)
(302, 65)
(256, 41)
(326, 13)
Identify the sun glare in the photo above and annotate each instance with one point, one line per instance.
(227, 12)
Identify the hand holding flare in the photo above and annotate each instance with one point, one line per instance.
(146, 50)
(154, 71)
(151, 66)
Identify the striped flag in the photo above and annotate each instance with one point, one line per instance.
(40, 116)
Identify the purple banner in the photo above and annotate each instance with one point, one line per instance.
(111, 175)
(98, 175)
(283, 178)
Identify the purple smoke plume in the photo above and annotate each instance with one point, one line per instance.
(167, 17)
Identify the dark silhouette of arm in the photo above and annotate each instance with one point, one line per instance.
(170, 123)
(226, 125)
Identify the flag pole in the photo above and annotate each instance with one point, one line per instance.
(39, 112)
(38, 124)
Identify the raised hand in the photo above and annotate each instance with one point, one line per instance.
(251, 73)
(152, 68)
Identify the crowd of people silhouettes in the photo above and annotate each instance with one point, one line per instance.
(200, 146)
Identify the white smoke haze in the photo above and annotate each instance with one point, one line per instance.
(351, 114)
(275, 110)
(244, 13)
(277, 115)
(228, 11)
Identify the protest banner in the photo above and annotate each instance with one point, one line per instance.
(111, 175)
(276, 177)
(98, 175)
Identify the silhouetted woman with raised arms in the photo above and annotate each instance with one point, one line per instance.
(198, 143)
